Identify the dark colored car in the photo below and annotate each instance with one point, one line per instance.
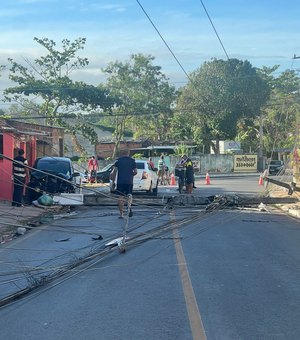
(51, 175)
(103, 175)
(275, 166)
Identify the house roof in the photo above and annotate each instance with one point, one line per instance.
(163, 147)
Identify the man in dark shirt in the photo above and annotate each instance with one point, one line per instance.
(189, 173)
(124, 170)
(20, 171)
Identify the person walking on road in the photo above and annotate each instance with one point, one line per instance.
(20, 172)
(124, 170)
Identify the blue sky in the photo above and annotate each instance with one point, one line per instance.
(264, 32)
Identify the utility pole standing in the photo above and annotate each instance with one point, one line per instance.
(296, 164)
(260, 150)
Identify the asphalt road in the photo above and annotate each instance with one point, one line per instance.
(224, 274)
(239, 184)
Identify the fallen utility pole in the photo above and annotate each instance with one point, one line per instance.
(172, 201)
(291, 187)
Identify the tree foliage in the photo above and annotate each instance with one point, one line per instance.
(281, 114)
(47, 78)
(219, 94)
(145, 98)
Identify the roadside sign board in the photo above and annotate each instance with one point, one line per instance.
(245, 163)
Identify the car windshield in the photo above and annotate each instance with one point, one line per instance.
(275, 163)
(140, 165)
(54, 166)
(106, 167)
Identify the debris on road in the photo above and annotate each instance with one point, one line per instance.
(63, 240)
(20, 231)
(97, 238)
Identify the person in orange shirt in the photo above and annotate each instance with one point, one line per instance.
(92, 168)
(150, 162)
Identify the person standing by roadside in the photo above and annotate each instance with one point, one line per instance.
(161, 169)
(92, 168)
(20, 172)
(180, 173)
(150, 162)
(124, 170)
(189, 174)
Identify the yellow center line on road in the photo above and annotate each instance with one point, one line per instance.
(194, 315)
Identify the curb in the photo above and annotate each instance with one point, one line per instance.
(290, 211)
(223, 175)
(294, 212)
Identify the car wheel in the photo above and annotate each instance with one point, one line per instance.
(154, 191)
(150, 188)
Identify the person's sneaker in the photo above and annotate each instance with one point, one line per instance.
(121, 217)
(130, 214)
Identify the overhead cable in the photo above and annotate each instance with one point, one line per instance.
(213, 26)
(162, 38)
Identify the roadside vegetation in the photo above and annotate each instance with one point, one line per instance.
(223, 99)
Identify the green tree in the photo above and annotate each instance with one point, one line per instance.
(279, 114)
(219, 94)
(281, 111)
(59, 97)
(146, 98)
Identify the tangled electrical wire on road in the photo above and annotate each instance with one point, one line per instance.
(70, 263)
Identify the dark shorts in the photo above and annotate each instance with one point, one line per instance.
(189, 179)
(124, 189)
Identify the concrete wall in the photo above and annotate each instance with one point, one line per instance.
(204, 163)
(208, 163)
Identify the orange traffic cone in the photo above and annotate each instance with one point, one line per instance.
(260, 181)
(207, 179)
(172, 179)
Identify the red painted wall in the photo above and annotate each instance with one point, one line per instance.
(11, 143)
(6, 183)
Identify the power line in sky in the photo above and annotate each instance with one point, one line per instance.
(213, 26)
(164, 41)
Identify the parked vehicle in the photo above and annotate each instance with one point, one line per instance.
(275, 166)
(146, 178)
(51, 175)
(103, 175)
